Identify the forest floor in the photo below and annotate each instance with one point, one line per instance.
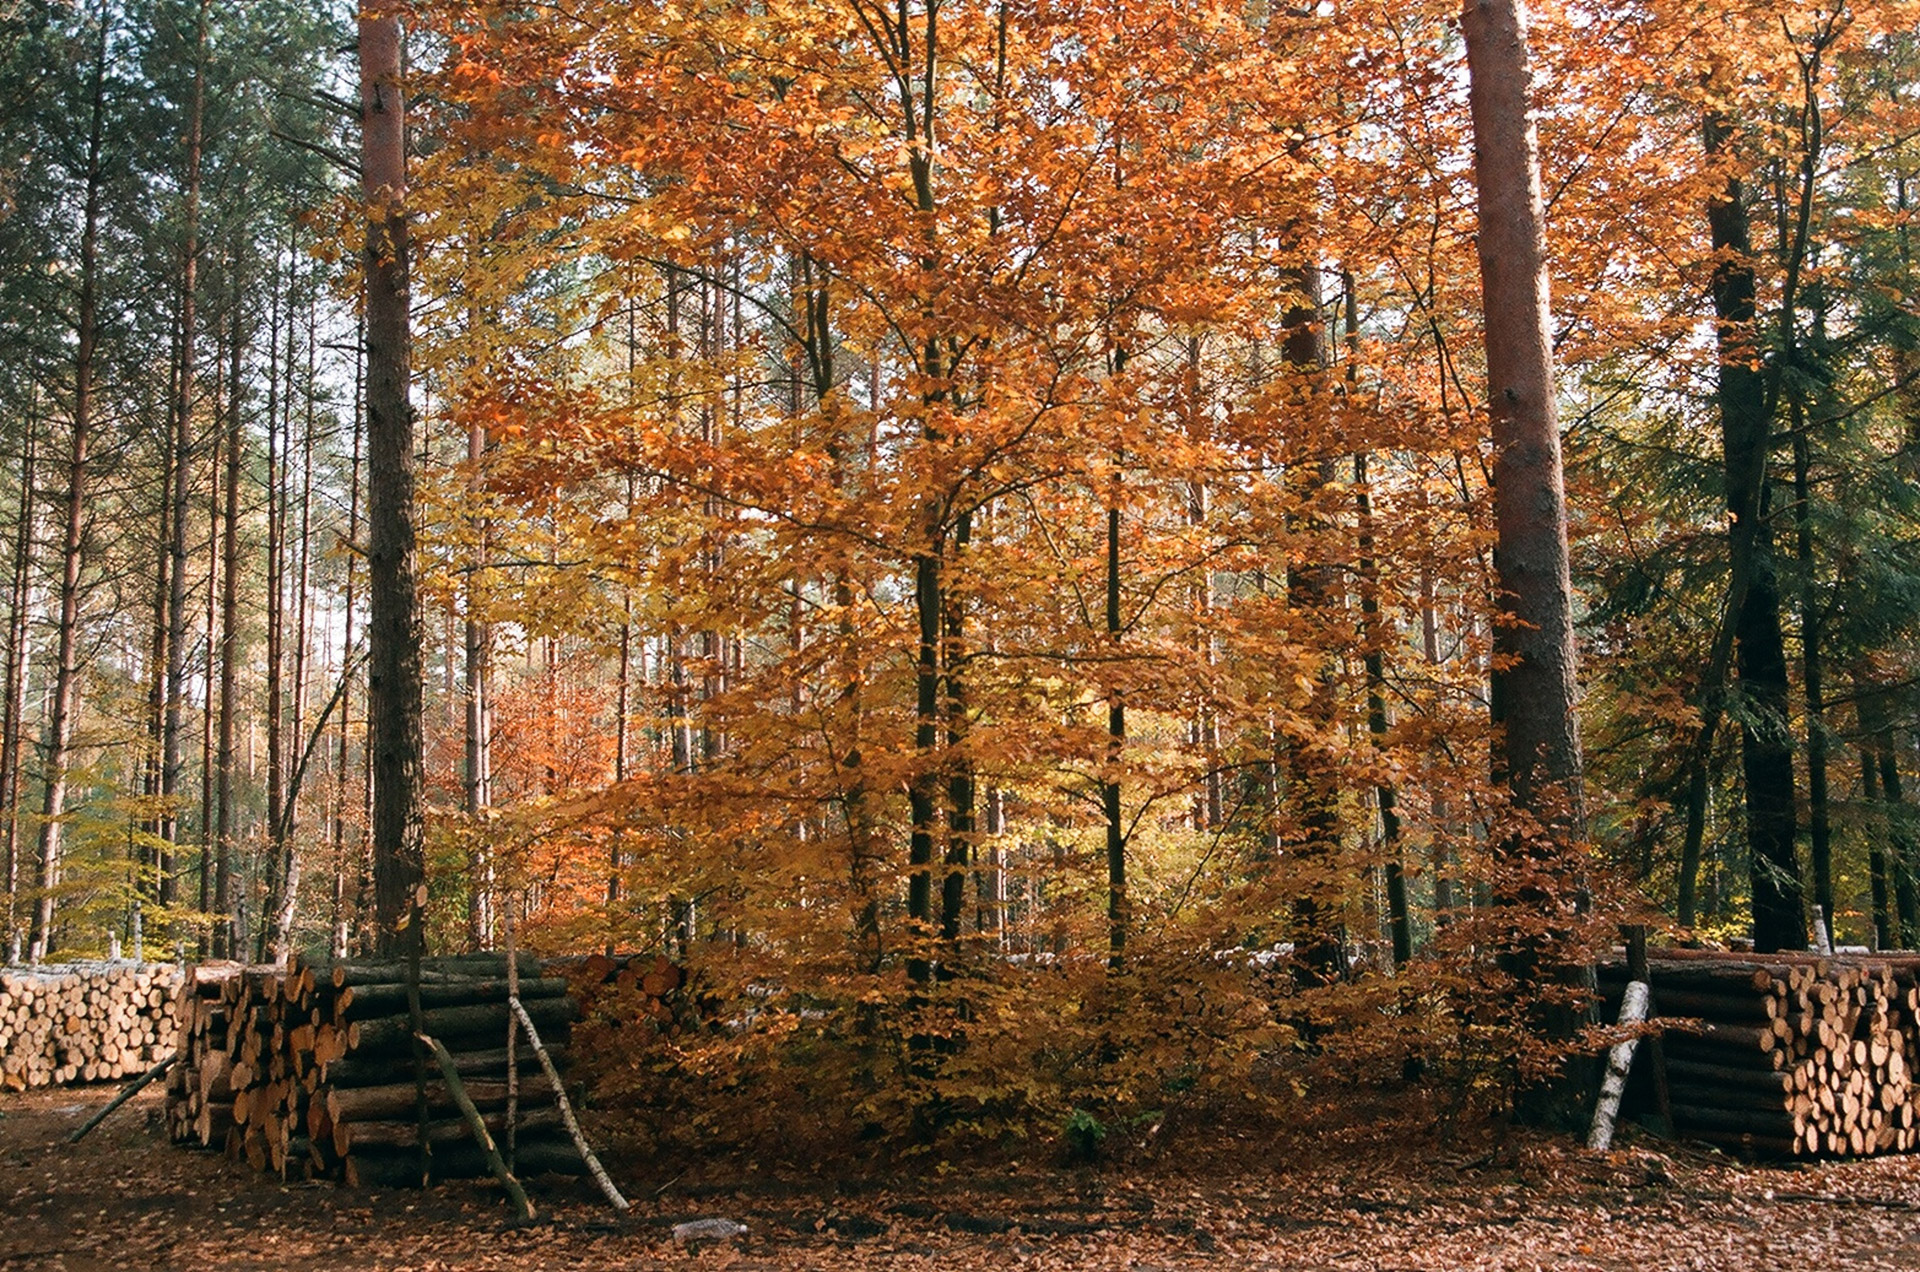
(127, 1201)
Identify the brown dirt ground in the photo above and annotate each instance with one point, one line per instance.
(126, 1201)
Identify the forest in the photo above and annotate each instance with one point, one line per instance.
(1070, 560)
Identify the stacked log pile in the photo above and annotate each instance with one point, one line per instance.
(312, 1069)
(1789, 1055)
(633, 990)
(83, 1022)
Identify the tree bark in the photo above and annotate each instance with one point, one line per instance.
(1399, 916)
(1746, 421)
(67, 660)
(276, 602)
(1319, 931)
(960, 779)
(342, 923)
(1533, 679)
(1886, 929)
(478, 693)
(1891, 838)
(1536, 750)
(1812, 673)
(174, 721)
(1119, 909)
(394, 674)
(219, 441)
(225, 938)
(13, 711)
(286, 888)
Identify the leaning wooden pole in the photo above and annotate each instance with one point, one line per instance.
(1633, 1010)
(513, 1037)
(478, 1126)
(594, 1167)
(133, 1088)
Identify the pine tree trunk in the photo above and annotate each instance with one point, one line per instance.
(171, 760)
(1813, 675)
(1536, 753)
(479, 751)
(14, 708)
(226, 936)
(342, 923)
(394, 673)
(276, 606)
(286, 888)
(219, 442)
(153, 816)
(1886, 927)
(1901, 858)
(1533, 680)
(1746, 422)
(67, 659)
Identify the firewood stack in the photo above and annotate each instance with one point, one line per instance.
(310, 1069)
(83, 1022)
(1789, 1055)
(633, 990)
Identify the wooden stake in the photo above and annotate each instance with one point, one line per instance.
(133, 1088)
(478, 1126)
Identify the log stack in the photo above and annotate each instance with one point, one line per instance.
(633, 991)
(1789, 1055)
(83, 1022)
(311, 1069)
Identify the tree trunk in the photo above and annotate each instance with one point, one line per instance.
(67, 660)
(1399, 919)
(1119, 909)
(479, 750)
(14, 709)
(276, 603)
(219, 440)
(1533, 679)
(1319, 931)
(1536, 750)
(171, 762)
(1746, 421)
(394, 675)
(960, 780)
(1813, 673)
(1886, 928)
(287, 884)
(1444, 899)
(226, 935)
(1884, 787)
(153, 815)
(342, 924)
(923, 788)
(1901, 845)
